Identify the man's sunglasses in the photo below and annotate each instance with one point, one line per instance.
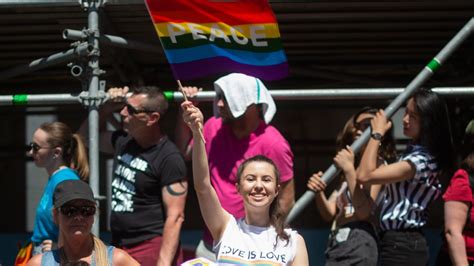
(133, 111)
(71, 211)
(35, 147)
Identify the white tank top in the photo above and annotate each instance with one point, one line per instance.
(246, 244)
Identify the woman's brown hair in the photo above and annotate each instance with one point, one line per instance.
(74, 152)
(277, 216)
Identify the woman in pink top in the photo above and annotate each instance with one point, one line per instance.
(458, 211)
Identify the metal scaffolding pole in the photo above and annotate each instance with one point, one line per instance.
(112, 40)
(58, 58)
(332, 94)
(423, 76)
(38, 99)
(279, 95)
(94, 99)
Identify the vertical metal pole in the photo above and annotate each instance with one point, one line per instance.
(423, 76)
(93, 63)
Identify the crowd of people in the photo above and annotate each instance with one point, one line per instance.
(244, 181)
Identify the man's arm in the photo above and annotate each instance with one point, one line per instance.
(182, 132)
(115, 103)
(105, 136)
(287, 196)
(280, 153)
(183, 137)
(174, 199)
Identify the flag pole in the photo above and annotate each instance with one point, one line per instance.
(186, 99)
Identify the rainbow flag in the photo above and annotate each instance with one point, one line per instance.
(202, 37)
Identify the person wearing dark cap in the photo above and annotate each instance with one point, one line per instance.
(73, 212)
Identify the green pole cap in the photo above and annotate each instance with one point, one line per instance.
(169, 95)
(20, 99)
(434, 64)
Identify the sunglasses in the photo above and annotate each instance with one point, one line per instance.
(133, 111)
(35, 147)
(363, 125)
(71, 211)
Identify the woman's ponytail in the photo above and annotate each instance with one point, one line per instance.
(79, 160)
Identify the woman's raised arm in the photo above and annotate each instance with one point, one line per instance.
(214, 215)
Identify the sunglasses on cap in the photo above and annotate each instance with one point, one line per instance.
(133, 111)
(71, 211)
(35, 147)
(363, 125)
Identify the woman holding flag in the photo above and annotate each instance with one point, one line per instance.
(260, 235)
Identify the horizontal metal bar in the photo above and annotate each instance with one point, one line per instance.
(38, 99)
(281, 95)
(358, 93)
(339, 94)
(63, 2)
(112, 40)
(279, 5)
(38, 2)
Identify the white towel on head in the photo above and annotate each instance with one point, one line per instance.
(240, 91)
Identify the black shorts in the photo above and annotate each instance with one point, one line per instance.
(403, 247)
(354, 243)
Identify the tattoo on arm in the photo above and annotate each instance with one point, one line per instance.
(177, 191)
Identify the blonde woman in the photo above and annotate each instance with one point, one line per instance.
(74, 209)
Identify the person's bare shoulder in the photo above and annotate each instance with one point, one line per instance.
(120, 257)
(35, 261)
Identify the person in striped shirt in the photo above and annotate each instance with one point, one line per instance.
(413, 182)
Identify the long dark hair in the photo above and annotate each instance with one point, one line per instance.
(277, 216)
(74, 152)
(435, 128)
